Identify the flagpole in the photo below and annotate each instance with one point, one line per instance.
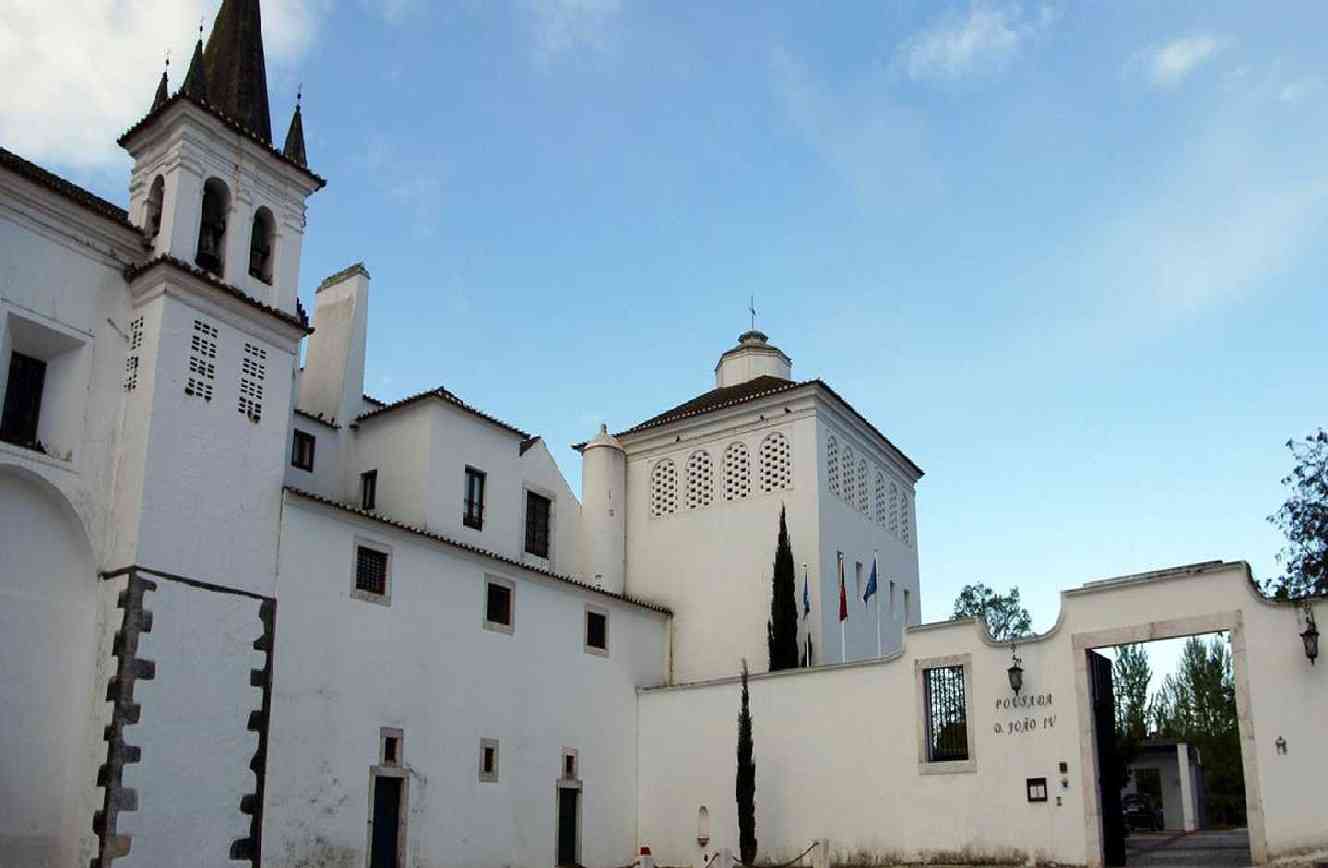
(876, 572)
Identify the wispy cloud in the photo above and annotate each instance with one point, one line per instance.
(573, 28)
(1169, 64)
(1300, 90)
(980, 41)
(876, 146)
(75, 81)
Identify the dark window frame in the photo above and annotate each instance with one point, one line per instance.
(945, 709)
(369, 490)
(21, 416)
(372, 578)
(494, 590)
(539, 528)
(303, 438)
(596, 614)
(472, 499)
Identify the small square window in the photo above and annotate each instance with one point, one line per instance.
(489, 760)
(473, 506)
(391, 743)
(569, 764)
(371, 575)
(369, 490)
(597, 632)
(302, 452)
(498, 605)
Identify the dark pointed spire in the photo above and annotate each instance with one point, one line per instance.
(236, 74)
(294, 147)
(162, 89)
(195, 80)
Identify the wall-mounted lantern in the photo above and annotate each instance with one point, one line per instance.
(1016, 670)
(703, 827)
(1311, 636)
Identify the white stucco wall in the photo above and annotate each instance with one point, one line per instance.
(837, 749)
(712, 565)
(425, 664)
(196, 748)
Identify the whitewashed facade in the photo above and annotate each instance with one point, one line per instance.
(250, 614)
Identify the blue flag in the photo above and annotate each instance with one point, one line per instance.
(806, 597)
(871, 582)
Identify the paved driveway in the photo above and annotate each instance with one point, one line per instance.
(1184, 850)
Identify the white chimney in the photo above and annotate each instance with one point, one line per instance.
(332, 384)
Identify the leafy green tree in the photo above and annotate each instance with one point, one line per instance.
(1304, 520)
(1197, 705)
(782, 628)
(746, 779)
(1131, 674)
(1005, 615)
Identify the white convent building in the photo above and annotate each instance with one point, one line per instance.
(250, 614)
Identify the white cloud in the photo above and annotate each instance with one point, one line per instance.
(79, 73)
(1168, 65)
(981, 41)
(1299, 90)
(876, 146)
(570, 28)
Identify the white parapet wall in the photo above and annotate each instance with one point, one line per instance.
(839, 750)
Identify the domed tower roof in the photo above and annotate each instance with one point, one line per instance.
(603, 438)
(753, 357)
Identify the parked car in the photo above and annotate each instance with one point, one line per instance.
(1141, 812)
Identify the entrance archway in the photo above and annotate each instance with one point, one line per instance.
(48, 639)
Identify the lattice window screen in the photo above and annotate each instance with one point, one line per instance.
(832, 464)
(894, 509)
(737, 472)
(664, 488)
(862, 487)
(131, 360)
(202, 361)
(881, 508)
(776, 463)
(903, 519)
(253, 371)
(700, 480)
(850, 477)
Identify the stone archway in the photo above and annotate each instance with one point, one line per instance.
(48, 642)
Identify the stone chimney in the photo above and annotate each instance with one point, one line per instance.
(333, 381)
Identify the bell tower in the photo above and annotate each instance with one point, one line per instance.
(215, 322)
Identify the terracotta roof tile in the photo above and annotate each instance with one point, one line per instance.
(74, 193)
(132, 272)
(440, 394)
(421, 532)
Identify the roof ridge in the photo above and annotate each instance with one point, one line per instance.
(442, 394)
(29, 170)
(133, 270)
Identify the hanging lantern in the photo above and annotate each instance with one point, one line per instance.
(1016, 671)
(1311, 636)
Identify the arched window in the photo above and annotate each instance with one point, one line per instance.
(850, 478)
(664, 488)
(737, 472)
(863, 506)
(261, 244)
(212, 228)
(776, 463)
(152, 213)
(832, 464)
(700, 480)
(894, 509)
(880, 499)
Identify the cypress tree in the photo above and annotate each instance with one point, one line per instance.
(782, 628)
(746, 780)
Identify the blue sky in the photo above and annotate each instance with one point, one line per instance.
(1070, 258)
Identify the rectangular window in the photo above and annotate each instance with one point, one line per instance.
(23, 396)
(498, 605)
(905, 605)
(369, 490)
(857, 575)
(489, 760)
(569, 763)
(597, 631)
(302, 452)
(473, 515)
(537, 524)
(946, 707)
(370, 571)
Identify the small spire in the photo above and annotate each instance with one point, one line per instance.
(163, 90)
(294, 147)
(195, 80)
